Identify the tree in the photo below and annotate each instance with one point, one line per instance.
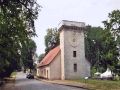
(101, 49)
(27, 53)
(51, 39)
(92, 41)
(113, 25)
(41, 57)
(109, 51)
(16, 27)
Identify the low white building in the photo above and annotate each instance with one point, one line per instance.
(67, 61)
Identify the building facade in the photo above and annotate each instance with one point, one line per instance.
(69, 61)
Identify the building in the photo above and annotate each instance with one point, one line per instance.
(67, 61)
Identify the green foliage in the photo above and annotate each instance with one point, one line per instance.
(92, 42)
(16, 27)
(101, 49)
(101, 45)
(27, 52)
(110, 51)
(41, 57)
(51, 39)
(113, 25)
(113, 22)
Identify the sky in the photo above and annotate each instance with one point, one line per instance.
(92, 12)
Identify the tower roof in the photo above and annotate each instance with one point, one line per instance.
(71, 24)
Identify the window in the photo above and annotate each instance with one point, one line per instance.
(75, 67)
(44, 71)
(47, 73)
(74, 53)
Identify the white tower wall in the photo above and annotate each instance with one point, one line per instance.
(72, 39)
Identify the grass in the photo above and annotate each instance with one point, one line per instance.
(11, 78)
(100, 84)
(13, 74)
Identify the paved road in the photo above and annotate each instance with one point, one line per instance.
(31, 84)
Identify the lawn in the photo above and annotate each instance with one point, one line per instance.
(13, 74)
(11, 78)
(100, 84)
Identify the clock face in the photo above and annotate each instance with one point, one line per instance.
(73, 38)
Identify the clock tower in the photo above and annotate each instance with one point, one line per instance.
(73, 62)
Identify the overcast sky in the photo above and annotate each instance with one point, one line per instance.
(92, 12)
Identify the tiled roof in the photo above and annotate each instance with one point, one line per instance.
(49, 57)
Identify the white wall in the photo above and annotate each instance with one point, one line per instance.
(67, 48)
(55, 68)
